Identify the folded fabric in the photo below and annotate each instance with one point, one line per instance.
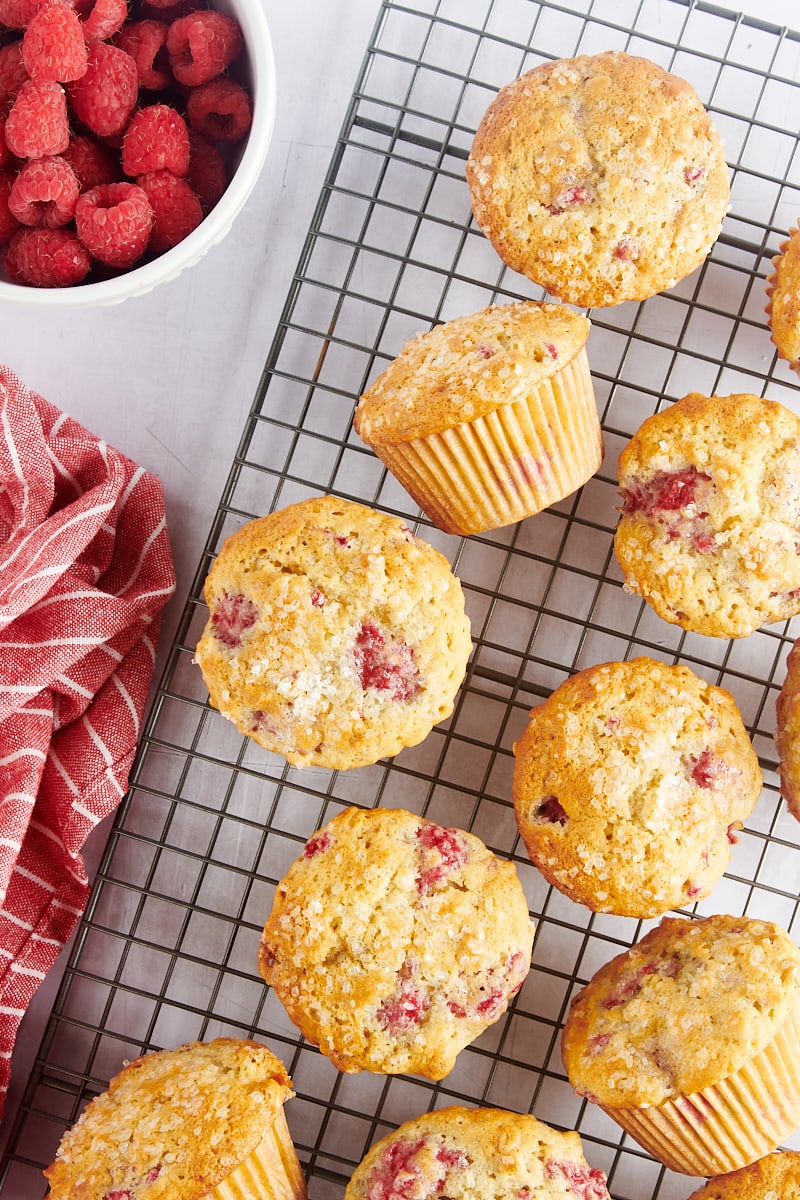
(85, 570)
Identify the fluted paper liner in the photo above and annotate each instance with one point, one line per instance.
(509, 464)
(731, 1123)
(270, 1172)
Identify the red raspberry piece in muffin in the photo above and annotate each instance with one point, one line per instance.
(232, 617)
(202, 45)
(384, 663)
(382, 975)
(45, 192)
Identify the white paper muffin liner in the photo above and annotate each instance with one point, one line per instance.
(270, 1172)
(510, 464)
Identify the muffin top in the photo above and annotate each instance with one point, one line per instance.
(626, 814)
(683, 1008)
(393, 942)
(172, 1124)
(472, 1154)
(774, 1177)
(468, 367)
(335, 636)
(787, 732)
(710, 522)
(600, 177)
(783, 307)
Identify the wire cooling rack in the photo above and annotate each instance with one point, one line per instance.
(167, 951)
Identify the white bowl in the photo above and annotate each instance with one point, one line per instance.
(256, 69)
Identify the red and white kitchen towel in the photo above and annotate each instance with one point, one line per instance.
(85, 570)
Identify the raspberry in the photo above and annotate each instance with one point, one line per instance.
(208, 175)
(114, 222)
(104, 18)
(13, 72)
(317, 844)
(588, 1183)
(668, 491)
(91, 162)
(175, 207)
(146, 42)
(550, 812)
(156, 139)
(406, 1007)
(17, 13)
(385, 665)
(232, 617)
(52, 46)
(8, 222)
(105, 96)
(202, 45)
(442, 852)
(220, 109)
(47, 257)
(37, 123)
(45, 192)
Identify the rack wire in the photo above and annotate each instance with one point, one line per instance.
(167, 950)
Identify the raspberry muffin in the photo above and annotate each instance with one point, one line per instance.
(601, 177)
(783, 300)
(690, 1040)
(394, 942)
(709, 530)
(335, 637)
(464, 1153)
(488, 418)
(787, 732)
(625, 814)
(203, 1122)
(774, 1177)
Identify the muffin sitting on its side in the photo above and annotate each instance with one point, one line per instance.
(335, 636)
(774, 1177)
(783, 300)
(488, 418)
(787, 732)
(710, 522)
(394, 942)
(602, 178)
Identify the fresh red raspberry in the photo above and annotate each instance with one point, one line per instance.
(45, 192)
(156, 139)
(208, 174)
(146, 42)
(175, 207)
(47, 257)
(8, 222)
(37, 122)
(53, 47)
(114, 222)
(220, 109)
(103, 19)
(202, 45)
(5, 154)
(105, 96)
(13, 72)
(91, 162)
(17, 13)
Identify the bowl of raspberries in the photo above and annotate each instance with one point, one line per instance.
(131, 134)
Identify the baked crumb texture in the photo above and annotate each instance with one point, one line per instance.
(787, 732)
(184, 1124)
(601, 177)
(476, 1154)
(690, 1040)
(783, 300)
(630, 782)
(488, 418)
(774, 1177)
(709, 529)
(394, 942)
(335, 636)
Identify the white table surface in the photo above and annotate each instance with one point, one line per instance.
(169, 378)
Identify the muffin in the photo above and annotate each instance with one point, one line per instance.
(624, 813)
(488, 418)
(335, 636)
(473, 1153)
(690, 1040)
(205, 1120)
(601, 177)
(774, 1177)
(783, 300)
(709, 528)
(787, 732)
(394, 942)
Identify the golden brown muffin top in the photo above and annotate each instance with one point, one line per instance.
(783, 307)
(774, 1177)
(172, 1124)
(683, 1008)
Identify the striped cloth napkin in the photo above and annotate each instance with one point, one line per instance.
(85, 569)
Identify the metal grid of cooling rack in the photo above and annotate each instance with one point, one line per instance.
(167, 951)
